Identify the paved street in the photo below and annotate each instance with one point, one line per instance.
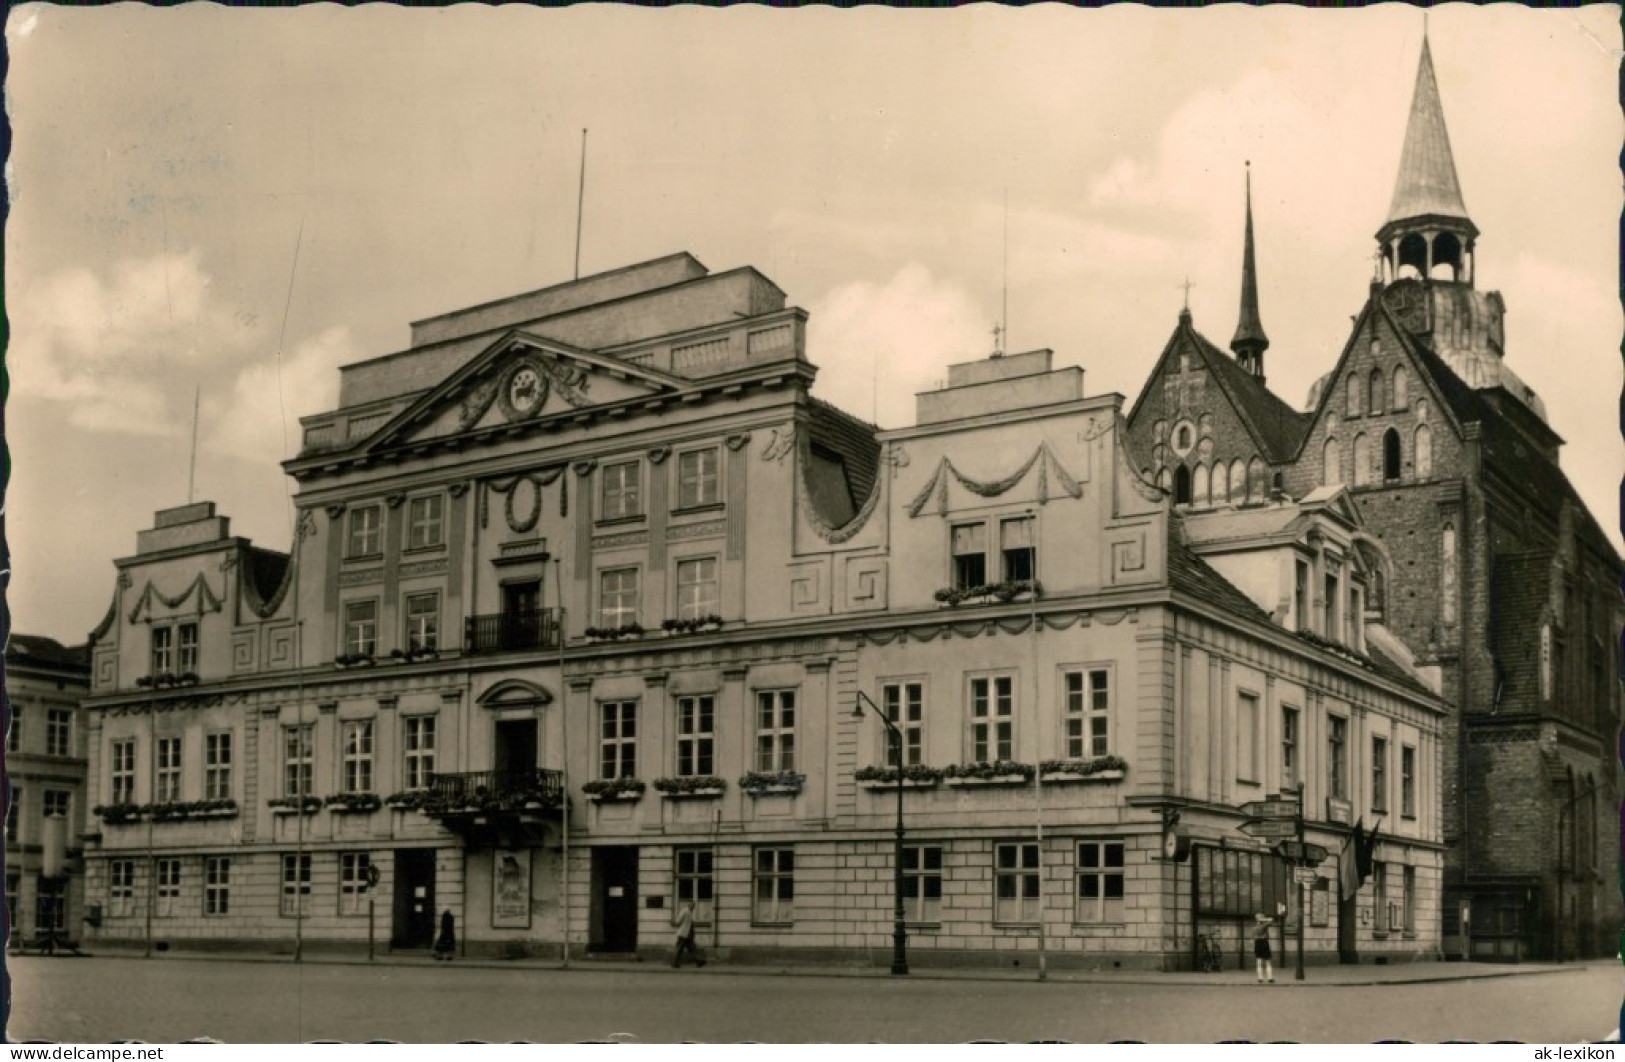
(170, 998)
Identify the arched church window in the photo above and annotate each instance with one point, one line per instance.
(1256, 490)
(1182, 485)
(1374, 396)
(1331, 462)
(1424, 451)
(1402, 387)
(1353, 389)
(1165, 480)
(1238, 481)
(1201, 486)
(1390, 456)
(1362, 461)
(1182, 438)
(1221, 483)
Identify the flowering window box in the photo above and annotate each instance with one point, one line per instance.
(999, 772)
(885, 787)
(610, 790)
(915, 776)
(772, 783)
(1067, 772)
(690, 787)
(1003, 593)
(995, 780)
(294, 805)
(353, 803)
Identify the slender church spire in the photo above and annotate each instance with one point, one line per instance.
(1250, 342)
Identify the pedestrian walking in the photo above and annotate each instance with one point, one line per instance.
(1261, 948)
(445, 945)
(684, 927)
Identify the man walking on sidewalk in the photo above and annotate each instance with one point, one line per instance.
(684, 925)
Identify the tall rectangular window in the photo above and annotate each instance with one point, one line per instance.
(904, 703)
(1247, 718)
(696, 735)
(423, 622)
(298, 760)
(1015, 882)
(58, 732)
(121, 887)
(922, 883)
(992, 718)
(1408, 900)
(1018, 555)
(169, 887)
(1379, 774)
(217, 766)
(1337, 764)
(1379, 882)
(163, 651)
(122, 789)
(775, 730)
(1100, 881)
(295, 884)
(693, 869)
(418, 746)
(186, 654)
(1407, 781)
(1086, 713)
(356, 759)
(1300, 595)
(621, 497)
(617, 597)
(167, 781)
(697, 593)
(366, 537)
(618, 739)
(217, 885)
(775, 885)
(1329, 626)
(697, 480)
(56, 803)
(361, 628)
(1289, 748)
(425, 521)
(14, 736)
(353, 868)
(14, 816)
(970, 556)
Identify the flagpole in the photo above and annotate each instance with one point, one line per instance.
(1298, 974)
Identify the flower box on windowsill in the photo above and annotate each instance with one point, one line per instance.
(1106, 768)
(997, 779)
(293, 805)
(624, 796)
(1069, 778)
(612, 790)
(353, 803)
(772, 783)
(985, 773)
(711, 792)
(879, 786)
(687, 786)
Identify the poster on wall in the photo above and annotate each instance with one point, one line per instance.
(1320, 905)
(510, 889)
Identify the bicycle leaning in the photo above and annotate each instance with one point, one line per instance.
(1209, 956)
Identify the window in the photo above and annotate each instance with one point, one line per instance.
(1100, 881)
(621, 497)
(123, 778)
(425, 521)
(366, 539)
(1353, 388)
(1424, 451)
(186, 657)
(422, 622)
(168, 777)
(694, 881)
(1379, 774)
(1407, 782)
(1362, 461)
(1221, 483)
(169, 887)
(1247, 718)
(1238, 481)
(697, 595)
(1017, 553)
(14, 817)
(1182, 485)
(1390, 456)
(1300, 595)
(1182, 438)
(163, 651)
(356, 760)
(1289, 748)
(1337, 756)
(697, 480)
(298, 760)
(1374, 393)
(970, 556)
(618, 739)
(121, 887)
(58, 732)
(1408, 900)
(776, 730)
(217, 885)
(992, 714)
(696, 722)
(922, 883)
(904, 703)
(775, 885)
(1201, 487)
(1331, 464)
(217, 766)
(1402, 386)
(419, 751)
(1354, 620)
(1447, 574)
(1329, 609)
(1379, 882)
(361, 628)
(353, 867)
(1087, 712)
(295, 884)
(1238, 884)
(14, 736)
(617, 597)
(1257, 480)
(56, 803)
(1015, 882)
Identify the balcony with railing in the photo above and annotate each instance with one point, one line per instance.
(496, 807)
(504, 632)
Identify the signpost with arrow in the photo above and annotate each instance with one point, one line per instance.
(1279, 818)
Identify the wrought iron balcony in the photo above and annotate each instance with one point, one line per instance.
(496, 808)
(509, 631)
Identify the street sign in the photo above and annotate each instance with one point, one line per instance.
(1270, 829)
(1303, 875)
(1273, 808)
(1302, 852)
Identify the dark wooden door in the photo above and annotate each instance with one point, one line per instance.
(413, 924)
(615, 888)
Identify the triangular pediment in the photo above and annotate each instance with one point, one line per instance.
(517, 380)
(1334, 501)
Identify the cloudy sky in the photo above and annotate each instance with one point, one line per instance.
(240, 201)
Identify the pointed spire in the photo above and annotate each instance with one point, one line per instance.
(1427, 172)
(1250, 342)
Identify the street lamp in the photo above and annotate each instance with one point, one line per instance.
(899, 955)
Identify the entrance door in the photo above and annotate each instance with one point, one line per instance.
(515, 758)
(413, 923)
(615, 899)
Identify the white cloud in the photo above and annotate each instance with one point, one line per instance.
(259, 421)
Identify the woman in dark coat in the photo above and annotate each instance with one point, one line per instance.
(445, 945)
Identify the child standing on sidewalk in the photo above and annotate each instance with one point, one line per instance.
(1261, 948)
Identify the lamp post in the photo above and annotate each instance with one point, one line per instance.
(899, 956)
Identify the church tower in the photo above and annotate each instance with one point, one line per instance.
(1249, 342)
